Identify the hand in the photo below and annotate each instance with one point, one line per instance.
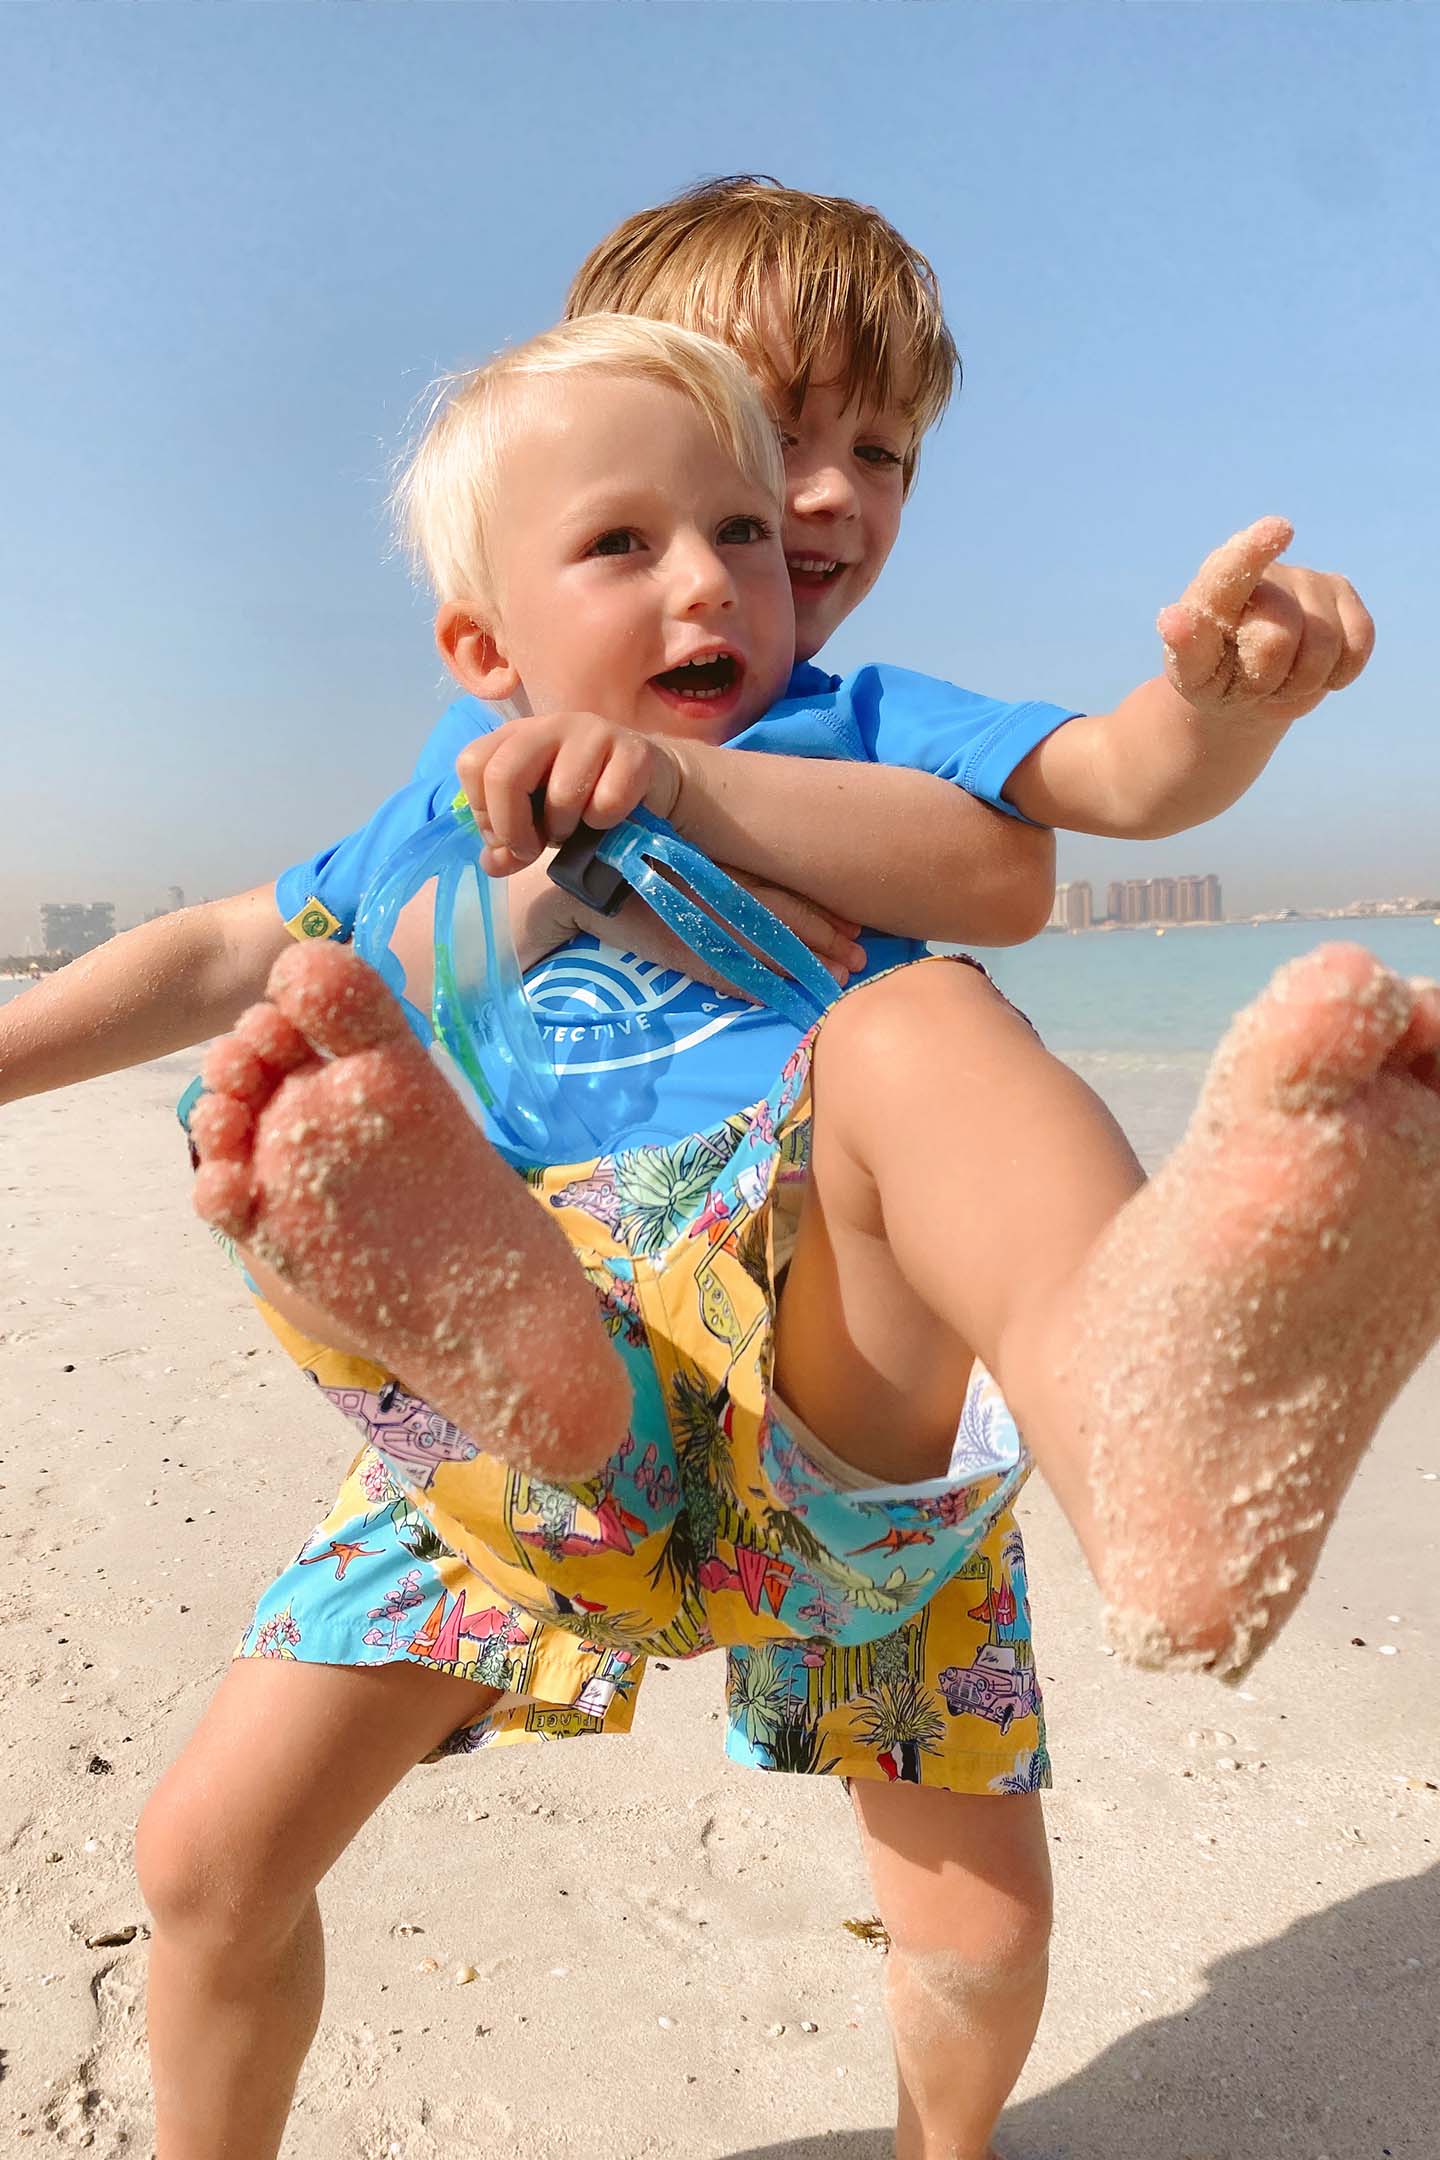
(1256, 637)
(542, 918)
(587, 769)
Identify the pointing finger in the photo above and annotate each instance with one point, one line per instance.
(1222, 587)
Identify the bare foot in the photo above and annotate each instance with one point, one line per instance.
(1252, 1314)
(334, 1152)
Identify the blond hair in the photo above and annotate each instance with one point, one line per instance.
(444, 499)
(723, 256)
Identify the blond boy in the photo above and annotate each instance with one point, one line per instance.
(778, 1471)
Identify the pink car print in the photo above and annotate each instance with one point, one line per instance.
(994, 1687)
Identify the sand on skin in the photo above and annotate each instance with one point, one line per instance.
(1250, 1954)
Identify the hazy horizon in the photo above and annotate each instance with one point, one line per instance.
(1189, 255)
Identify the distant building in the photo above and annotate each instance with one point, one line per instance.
(1074, 907)
(76, 926)
(1164, 899)
(174, 902)
(1141, 901)
(1198, 899)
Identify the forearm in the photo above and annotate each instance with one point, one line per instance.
(900, 851)
(150, 991)
(1149, 768)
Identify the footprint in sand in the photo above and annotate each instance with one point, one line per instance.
(105, 2105)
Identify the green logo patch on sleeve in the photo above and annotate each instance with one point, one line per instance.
(313, 921)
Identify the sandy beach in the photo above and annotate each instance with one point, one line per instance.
(1248, 1939)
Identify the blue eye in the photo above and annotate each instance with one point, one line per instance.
(619, 542)
(743, 531)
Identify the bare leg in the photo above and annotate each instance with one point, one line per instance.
(1198, 1379)
(1199, 1376)
(962, 1882)
(286, 1765)
(1032, 1172)
(333, 1151)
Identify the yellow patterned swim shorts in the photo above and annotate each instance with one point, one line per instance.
(869, 1632)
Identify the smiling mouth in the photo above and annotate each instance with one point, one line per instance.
(814, 569)
(713, 677)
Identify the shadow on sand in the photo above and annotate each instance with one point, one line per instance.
(1324, 2042)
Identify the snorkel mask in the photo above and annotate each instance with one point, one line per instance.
(484, 1029)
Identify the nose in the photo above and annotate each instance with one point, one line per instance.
(823, 489)
(701, 579)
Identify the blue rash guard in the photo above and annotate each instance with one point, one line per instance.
(678, 1056)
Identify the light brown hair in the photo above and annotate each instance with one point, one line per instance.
(720, 256)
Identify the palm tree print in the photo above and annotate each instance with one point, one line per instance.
(897, 1718)
(796, 1746)
(1031, 1773)
(418, 1536)
(661, 1189)
(760, 1698)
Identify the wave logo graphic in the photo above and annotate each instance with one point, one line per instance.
(622, 1010)
(602, 984)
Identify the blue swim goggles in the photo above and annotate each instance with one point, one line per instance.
(482, 1023)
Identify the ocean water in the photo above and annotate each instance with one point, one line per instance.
(1134, 994)
(1138, 1015)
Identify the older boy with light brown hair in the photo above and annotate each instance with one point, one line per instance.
(841, 320)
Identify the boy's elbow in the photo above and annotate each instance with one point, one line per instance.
(1022, 891)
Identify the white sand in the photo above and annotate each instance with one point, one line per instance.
(1248, 1949)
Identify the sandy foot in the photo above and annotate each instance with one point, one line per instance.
(1258, 1307)
(335, 1153)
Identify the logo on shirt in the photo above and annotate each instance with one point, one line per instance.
(601, 1010)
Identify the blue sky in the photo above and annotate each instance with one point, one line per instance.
(1190, 253)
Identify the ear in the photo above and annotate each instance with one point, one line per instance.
(473, 655)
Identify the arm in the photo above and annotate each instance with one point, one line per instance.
(1250, 647)
(904, 852)
(152, 990)
(901, 851)
(1151, 767)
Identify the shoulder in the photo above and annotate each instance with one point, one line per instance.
(458, 725)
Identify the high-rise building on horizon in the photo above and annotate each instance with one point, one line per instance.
(76, 926)
(1074, 907)
(1161, 900)
(1198, 899)
(1164, 898)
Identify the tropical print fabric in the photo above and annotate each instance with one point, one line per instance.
(873, 1633)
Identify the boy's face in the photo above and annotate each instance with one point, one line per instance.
(844, 491)
(639, 573)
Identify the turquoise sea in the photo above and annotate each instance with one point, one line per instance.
(1139, 1016)
(1134, 993)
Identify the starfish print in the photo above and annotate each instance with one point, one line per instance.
(894, 1540)
(342, 1554)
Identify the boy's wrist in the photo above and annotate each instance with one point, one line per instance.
(674, 773)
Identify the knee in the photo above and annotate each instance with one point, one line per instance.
(992, 1948)
(207, 1876)
(910, 1017)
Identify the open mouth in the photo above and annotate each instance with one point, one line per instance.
(713, 677)
(813, 570)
